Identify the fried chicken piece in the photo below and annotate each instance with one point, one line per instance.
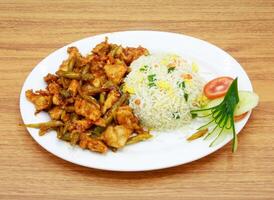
(99, 77)
(55, 113)
(76, 57)
(82, 125)
(65, 116)
(112, 97)
(87, 109)
(57, 99)
(96, 62)
(53, 88)
(92, 144)
(73, 87)
(102, 48)
(116, 51)
(125, 117)
(116, 136)
(75, 60)
(41, 99)
(115, 72)
(130, 54)
(50, 78)
(98, 82)
(100, 122)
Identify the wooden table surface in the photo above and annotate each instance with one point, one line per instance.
(30, 30)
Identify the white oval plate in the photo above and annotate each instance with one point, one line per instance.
(165, 149)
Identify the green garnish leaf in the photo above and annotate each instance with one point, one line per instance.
(194, 115)
(151, 77)
(186, 96)
(176, 115)
(171, 69)
(181, 85)
(143, 68)
(151, 80)
(222, 116)
(151, 84)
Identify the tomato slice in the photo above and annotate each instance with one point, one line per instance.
(217, 87)
(240, 117)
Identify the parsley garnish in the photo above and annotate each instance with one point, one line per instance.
(151, 77)
(186, 96)
(143, 68)
(151, 80)
(170, 69)
(151, 84)
(181, 85)
(176, 115)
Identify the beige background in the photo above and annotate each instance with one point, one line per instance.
(30, 30)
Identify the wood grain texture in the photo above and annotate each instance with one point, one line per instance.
(30, 30)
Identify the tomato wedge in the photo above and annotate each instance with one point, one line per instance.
(240, 117)
(217, 87)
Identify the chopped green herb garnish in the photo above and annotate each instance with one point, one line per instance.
(171, 69)
(151, 77)
(176, 115)
(222, 116)
(151, 84)
(143, 68)
(186, 96)
(181, 85)
(151, 80)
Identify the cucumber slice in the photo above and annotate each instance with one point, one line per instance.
(214, 102)
(211, 104)
(248, 101)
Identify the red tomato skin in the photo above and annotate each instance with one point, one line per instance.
(217, 87)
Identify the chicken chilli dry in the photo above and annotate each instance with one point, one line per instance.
(85, 102)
